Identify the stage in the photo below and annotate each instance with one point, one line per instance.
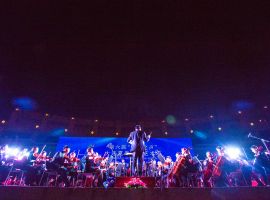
(51, 193)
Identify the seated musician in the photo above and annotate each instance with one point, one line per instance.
(74, 166)
(220, 171)
(31, 175)
(61, 161)
(185, 166)
(74, 160)
(109, 178)
(4, 168)
(153, 169)
(159, 168)
(178, 174)
(92, 166)
(33, 154)
(260, 163)
(208, 169)
(167, 165)
(177, 155)
(2, 155)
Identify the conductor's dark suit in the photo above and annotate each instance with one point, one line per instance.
(137, 140)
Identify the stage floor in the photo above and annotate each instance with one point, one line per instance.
(51, 193)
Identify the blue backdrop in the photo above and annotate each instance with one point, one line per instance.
(167, 146)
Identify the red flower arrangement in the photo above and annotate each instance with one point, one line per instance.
(135, 183)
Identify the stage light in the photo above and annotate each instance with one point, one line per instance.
(191, 131)
(47, 115)
(239, 112)
(17, 109)
(219, 129)
(116, 133)
(24, 154)
(265, 107)
(170, 119)
(25, 103)
(166, 133)
(211, 116)
(72, 118)
(12, 152)
(37, 126)
(96, 120)
(200, 134)
(186, 119)
(233, 152)
(260, 120)
(66, 130)
(251, 124)
(3, 121)
(92, 132)
(163, 121)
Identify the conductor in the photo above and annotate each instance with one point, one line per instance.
(137, 140)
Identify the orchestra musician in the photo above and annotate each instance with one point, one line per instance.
(3, 168)
(220, 170)
(208, 169)
(32, 169)
(61, 161)
(74, 165)
(137, 140)
(179, 172)
(74, 161)
(92, 161)
(186, 165)
(260, 163)
(33, 154)
(152, 169)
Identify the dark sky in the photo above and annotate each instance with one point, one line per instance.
(134, 59)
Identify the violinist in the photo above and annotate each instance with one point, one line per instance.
(74, 166)
(208, 169)
(74, 160)
(109, 178)
(166, 169)
(91, 166)
(159, 168)
(3, 166)
(90, 161)
(32, 168)
(44, 160)
(61, 161)
(2, 155)
(33, 154)
(167, 165)
(111, 169)
(260, 164)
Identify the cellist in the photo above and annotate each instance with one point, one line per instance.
(208, 169)
(220, 174)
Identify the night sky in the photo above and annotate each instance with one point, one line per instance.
(134, 59)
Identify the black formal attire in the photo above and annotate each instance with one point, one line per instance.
(60, 162)
(137, 139)
(260, 164)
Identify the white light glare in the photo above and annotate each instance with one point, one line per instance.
(233, 152)
(12, 151)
